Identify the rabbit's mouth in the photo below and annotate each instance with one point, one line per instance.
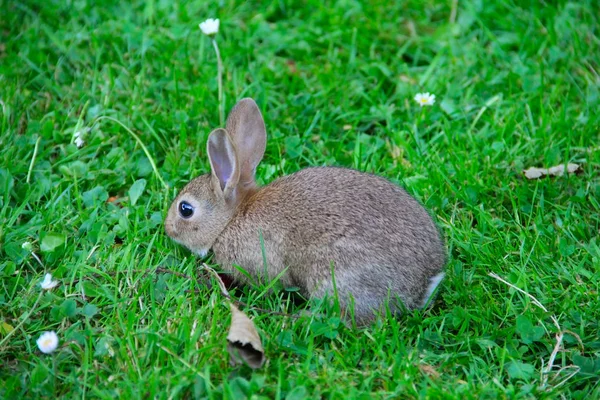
(202, 252)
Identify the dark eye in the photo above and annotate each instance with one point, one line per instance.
(185, 209)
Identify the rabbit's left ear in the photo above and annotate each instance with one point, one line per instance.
(246, 128)
(223, 161)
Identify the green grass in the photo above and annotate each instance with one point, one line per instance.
(517, 85)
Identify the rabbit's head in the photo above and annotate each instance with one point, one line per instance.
(205, 206)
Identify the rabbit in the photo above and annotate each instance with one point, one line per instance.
(316, 228)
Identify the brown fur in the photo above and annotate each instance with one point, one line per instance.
(382, 243)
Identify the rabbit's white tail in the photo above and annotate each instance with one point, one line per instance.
(433, 284)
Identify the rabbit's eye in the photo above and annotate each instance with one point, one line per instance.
(185, 209)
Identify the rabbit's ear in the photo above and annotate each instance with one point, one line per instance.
(246, 126)
(223, 161)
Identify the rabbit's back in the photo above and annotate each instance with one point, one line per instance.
(378, 238)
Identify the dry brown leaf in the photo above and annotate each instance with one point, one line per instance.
(243, 342)
(559, 170)
(429, 371)
(292, 66)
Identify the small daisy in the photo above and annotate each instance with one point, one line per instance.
(48, 342)
(425, 99)
(210, 26)
(27, 246)
(48, 283)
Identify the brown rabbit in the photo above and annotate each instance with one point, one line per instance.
(381, 243)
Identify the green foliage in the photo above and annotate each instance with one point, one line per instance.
(519, 370)
(136, 190)
(51, 241)
(516, 84)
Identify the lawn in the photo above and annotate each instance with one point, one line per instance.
(517, 85)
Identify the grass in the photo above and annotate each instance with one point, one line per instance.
(517, 85)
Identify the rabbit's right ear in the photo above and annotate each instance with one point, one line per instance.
(223, 161)
(246, 126)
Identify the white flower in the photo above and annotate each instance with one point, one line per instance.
(210, 26)
(48, 342)
(27, 246)
(425, 99)
(79, 142)
(48, 283)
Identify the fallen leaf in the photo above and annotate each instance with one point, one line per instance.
(429, 371)
(112, 199)
(534, 173)
(243, 342)
(559, 170)
(292, 66)
(347, 127)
